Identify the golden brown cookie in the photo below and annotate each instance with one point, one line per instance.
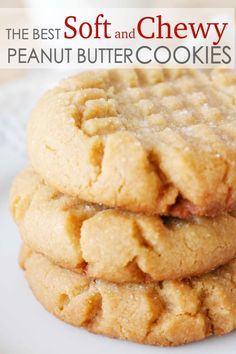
(167, 313)
(148, 140)
(115, 245)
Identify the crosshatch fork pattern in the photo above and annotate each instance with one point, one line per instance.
(150, 99)
(173, 128)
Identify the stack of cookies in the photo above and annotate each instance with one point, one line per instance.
(127, 213)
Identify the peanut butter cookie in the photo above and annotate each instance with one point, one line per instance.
(115, 245)
(167, 313)
(147, 140)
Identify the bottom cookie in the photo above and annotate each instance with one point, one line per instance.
(167, 313)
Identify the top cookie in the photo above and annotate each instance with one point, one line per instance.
(148, 140)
